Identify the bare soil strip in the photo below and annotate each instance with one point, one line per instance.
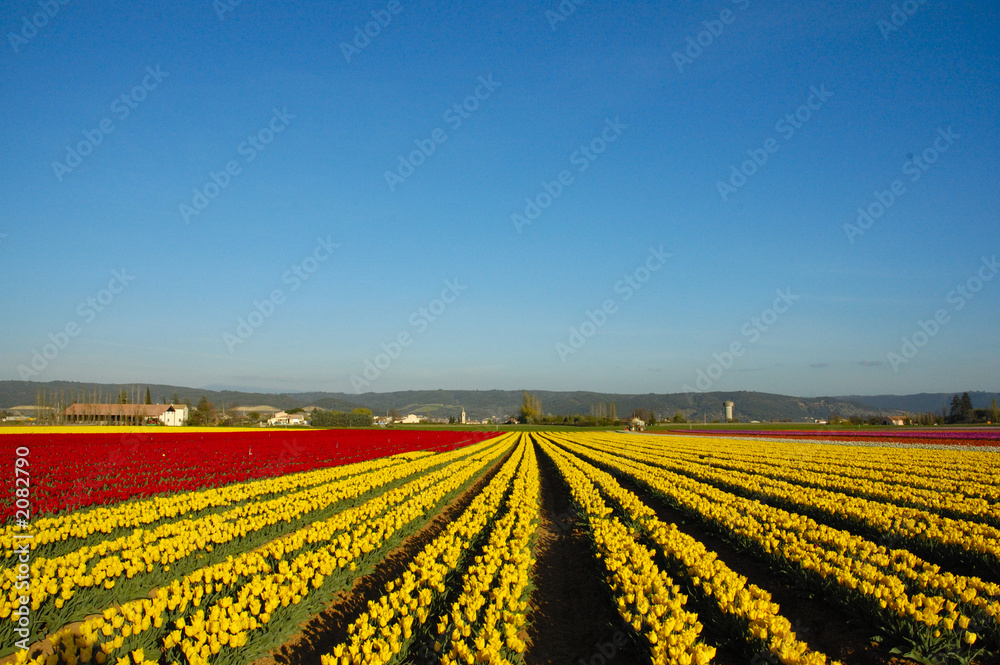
(573, 616)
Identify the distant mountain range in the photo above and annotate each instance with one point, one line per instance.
(480, 404)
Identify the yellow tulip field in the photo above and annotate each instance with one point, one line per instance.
(684, 550)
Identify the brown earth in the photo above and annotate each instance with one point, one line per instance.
(573, 616)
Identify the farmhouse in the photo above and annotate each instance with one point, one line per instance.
(172, 415)
(282, 418)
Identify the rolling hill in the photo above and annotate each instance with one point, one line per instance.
(480, 404)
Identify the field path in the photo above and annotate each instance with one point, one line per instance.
(572, 608)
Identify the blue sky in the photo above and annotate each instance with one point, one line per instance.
(309, 134)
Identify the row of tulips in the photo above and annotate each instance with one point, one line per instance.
(946, 537)
(912, 601)
(170, 540)
(65, 588)
(373, 528)
(922, 495)
(84, 526)
(385, 631)
(259, 591)
(646, 596)
(932, 462)
(756, 622)
(125, 466)
(967, 436)
(487, 621)
(964, 476)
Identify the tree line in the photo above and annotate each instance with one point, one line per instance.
(602, 414)
(356, 418)
(961, 412)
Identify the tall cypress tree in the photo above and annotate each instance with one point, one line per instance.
(965, 408)
(955, 410)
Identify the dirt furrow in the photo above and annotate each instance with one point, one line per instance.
(574, 619)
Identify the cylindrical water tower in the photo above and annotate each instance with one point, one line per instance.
(729, 410)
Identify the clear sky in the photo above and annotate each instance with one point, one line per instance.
(473, 179)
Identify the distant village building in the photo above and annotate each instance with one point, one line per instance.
(410, 419)
(171, 415)
(286, 419)
(176, 415)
